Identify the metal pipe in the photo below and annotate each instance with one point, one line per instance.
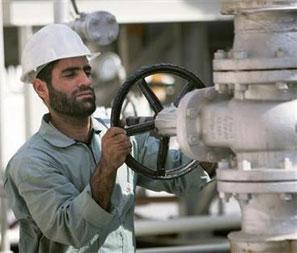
(206, 248)
(2, 82)
(61, 8)
(5, 241)
(186, 224)
(255, 147)
(24, 33)
(5, 245)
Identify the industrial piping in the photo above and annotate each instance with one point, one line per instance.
(186, 224)
(247, 123)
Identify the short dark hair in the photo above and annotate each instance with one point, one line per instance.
(45, 74)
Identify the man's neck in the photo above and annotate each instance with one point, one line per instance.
(75, 128)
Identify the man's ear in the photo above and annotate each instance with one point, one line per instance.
(41, 89)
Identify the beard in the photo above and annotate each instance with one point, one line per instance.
(70, 105)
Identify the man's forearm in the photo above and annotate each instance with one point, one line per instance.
(102, 183)
(114, 149)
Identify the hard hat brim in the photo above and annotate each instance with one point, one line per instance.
(29, 77)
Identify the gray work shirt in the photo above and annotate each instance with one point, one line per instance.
(47, 183)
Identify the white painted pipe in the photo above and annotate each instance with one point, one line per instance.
(5, 244)
(206, 248)
(61, 11)
(186, 224)
(2, 83)
(25, 32)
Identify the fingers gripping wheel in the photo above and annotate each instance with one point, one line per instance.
(189, 81)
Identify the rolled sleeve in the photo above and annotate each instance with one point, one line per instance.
(91, 211)
(72, 217)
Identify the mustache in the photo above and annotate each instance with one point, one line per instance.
(83, 89)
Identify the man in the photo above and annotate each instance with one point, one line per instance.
(68, 185)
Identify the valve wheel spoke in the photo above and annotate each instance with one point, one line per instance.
(187, 88)
(162, 155)
(150, 96)
(140, 128)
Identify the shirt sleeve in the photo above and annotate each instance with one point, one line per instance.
(62, 212)
(146, 152)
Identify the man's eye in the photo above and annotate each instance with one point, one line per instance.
(69, 74)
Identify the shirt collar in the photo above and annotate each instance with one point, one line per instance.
(97, 125)
(56, 138)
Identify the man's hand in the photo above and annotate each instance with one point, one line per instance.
(115, 147)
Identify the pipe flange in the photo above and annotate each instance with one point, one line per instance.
(257, 187)
(255, 77)
(239, 6)
(245, 237)
(254, 64)
(243, 242)
(256, 175)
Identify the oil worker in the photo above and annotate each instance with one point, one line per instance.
(68, 185)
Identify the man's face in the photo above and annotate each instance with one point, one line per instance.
(71, 92)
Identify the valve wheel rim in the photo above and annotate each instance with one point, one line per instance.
(141, 74)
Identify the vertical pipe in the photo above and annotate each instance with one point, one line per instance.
(2, 81)
(24, 33)
(61, 8)
(123, 46)
(195, 50)
(5, 245)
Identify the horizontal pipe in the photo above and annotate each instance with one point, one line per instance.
(186, 224)
(206, 248)
(177, 225)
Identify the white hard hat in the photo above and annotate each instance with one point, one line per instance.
(52, 42)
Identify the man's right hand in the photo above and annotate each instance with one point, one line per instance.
(115, 147)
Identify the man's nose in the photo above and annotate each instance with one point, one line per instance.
(85, 79)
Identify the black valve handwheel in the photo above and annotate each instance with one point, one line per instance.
(138, 78)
